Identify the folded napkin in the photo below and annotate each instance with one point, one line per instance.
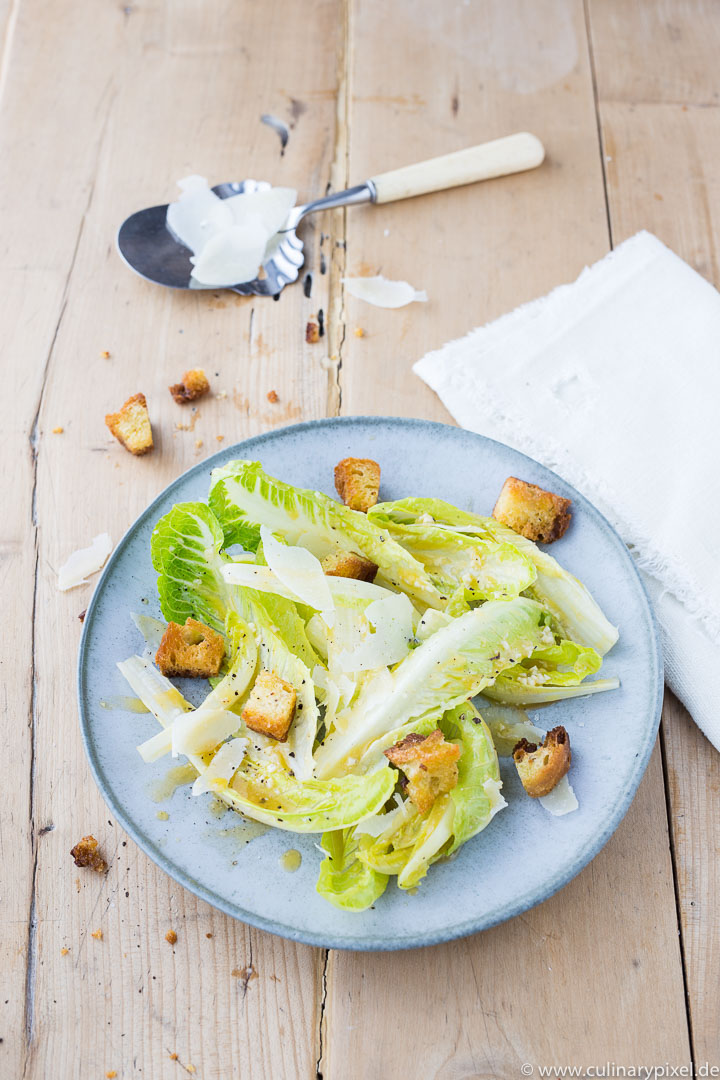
(614, 382)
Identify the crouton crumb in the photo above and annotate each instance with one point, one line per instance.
(97, 934)
(272, 396)
(219, 438)
(208, 935)
(192, 651)
(349, 565)
(430, 765)
(85, 853)
(111, 1074)
(357, 481)
(193, 385)
(198, 443)
(82, 615)
(64, 951)
(171, 937)
(540, 768)
(190, 1068)
(359, 332)
(58, 430)
(105, 354)
(131, 425)
(271, 706)
(173, 1057)
(312, 332)
(531, 511)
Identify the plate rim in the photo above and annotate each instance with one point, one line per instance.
(379, 943)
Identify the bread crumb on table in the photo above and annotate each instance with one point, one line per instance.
(105, 354)
(131, 425)
(312, 332)
(111, 1074)
(272, 396)
(171, 937)
(359, 332)
(198, 443)
(97, 934)
(219, 438)
(58, 430)
(64, 951)
(193, 385)
(86, 853)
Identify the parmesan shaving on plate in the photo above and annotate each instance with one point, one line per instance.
(382, 292)
(229, 238)
(299, 570)
(84, 562)
(561, 800)
(222, 768)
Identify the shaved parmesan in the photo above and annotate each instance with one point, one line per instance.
(151, 629)
(508, 726)
(497, 801)
(231, 256)
(156, 747)
(84, 562)
(201, 730)
(198, 214)
(388, 636)
(222, 768)
(299, 571)
(383, 293)
(561, 800)
(229, 238)
(431, 621)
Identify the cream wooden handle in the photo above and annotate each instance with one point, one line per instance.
(514, 153)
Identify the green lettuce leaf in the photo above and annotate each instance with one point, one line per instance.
(265, 790)
(344, 880)
(576, 614)
(452, 665)
(186, 553)
(244, 497)
(475, 800)
(486, 569)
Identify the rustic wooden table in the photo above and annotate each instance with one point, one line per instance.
(104, 106)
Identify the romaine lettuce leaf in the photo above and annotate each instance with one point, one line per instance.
(475, 800)
(186, 552)
(455, 663)
(244, 497)
(576, 614)
(265, 790)
(486, 569)
(344, 880)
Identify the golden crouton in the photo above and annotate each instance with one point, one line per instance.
(131, 426)
(531, 511)
(85, 853)
(192, 651)
(271, 706)
(194, 384)
(348, 564)
(541, 767)
(430, 765)
(357, 481)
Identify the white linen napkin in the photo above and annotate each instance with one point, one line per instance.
(614, 382)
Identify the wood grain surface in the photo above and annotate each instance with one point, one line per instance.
(103, 106)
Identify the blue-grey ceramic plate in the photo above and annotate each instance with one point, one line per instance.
(525, 855)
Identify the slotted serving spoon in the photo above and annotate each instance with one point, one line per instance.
(151, 250)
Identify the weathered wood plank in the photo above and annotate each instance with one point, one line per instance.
(459, 78)
(663, 173)
(166, 90)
